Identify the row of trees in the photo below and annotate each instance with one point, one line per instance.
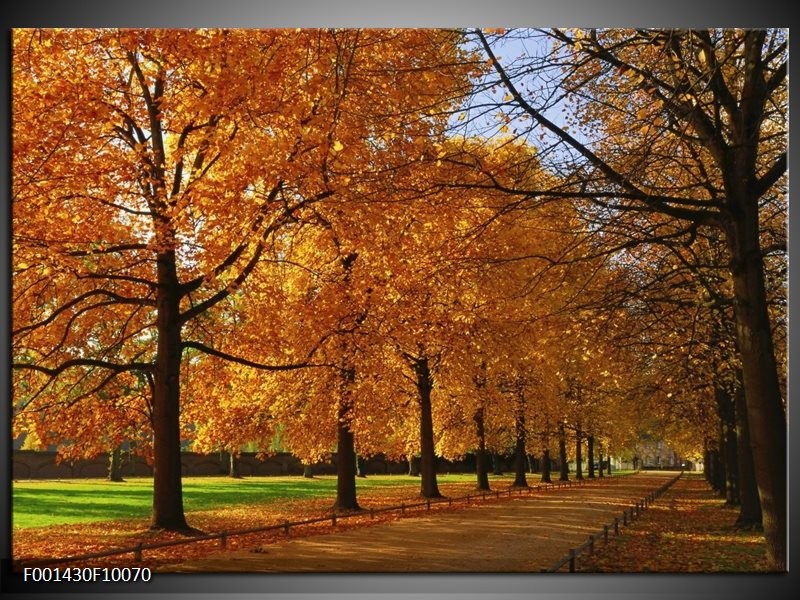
(383, 241)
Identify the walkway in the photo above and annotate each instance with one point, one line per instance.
(525, 534)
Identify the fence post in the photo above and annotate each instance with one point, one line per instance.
(402, 508)
(591, 544)
(223, 539)
(605, 534)
(371, 513)
(333, 519)
(286, 527)
(428, 503)
(137, 554)
(616, 526)
(625, 517)
(572, 560)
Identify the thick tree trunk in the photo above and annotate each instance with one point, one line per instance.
(546, 466)
(578, 454)
(308, 472)
(167, 488)
(519, 449)
(749, 505)
(765, 410)
(427, 466)
(481, 468)
(590, 444)
(608, 465)
(115, 465)
(563, 466)
(345, 452)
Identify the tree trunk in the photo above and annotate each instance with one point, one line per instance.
(167, 486)
(308, 472)
(578, 455)
(546, 466)
(728, 446)
(533, 464)
(115, 465)
(233, 467)
(766, 413)
(519, 449)
(481, 469)
(608, 468)
(749, 505)
(562, 454)
(345, 451)
(590, 444)
(599, 460)
(427, 465)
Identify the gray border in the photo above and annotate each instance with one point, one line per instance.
(408, 13)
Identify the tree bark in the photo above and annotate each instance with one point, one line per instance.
(546, 466)
(167, 486)
(728, 445)
(600, 461)
(519, 450)
(562, 454)
(481, 468)
(590, 457)
(115, 465)
(345, 450)
(578, 454)
(427, 466)
(413, 466)
(765, 410)
(749, 505)
(308, 472)
(233, 466)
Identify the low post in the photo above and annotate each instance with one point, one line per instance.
(333, 519)
(605, 535)
(428, 503)
(591, 544)
(286, 527)
(223, 539)
(572, 560)
(137, 554)
(616, 526)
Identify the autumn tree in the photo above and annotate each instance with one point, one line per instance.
(154, 172)
(690, 125)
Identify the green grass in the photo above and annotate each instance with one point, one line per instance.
(59, 502)
(68, 501)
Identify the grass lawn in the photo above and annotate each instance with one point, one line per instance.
(69, 501)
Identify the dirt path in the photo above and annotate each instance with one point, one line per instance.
(525, 534)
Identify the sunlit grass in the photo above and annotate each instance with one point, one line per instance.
(62, 502)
